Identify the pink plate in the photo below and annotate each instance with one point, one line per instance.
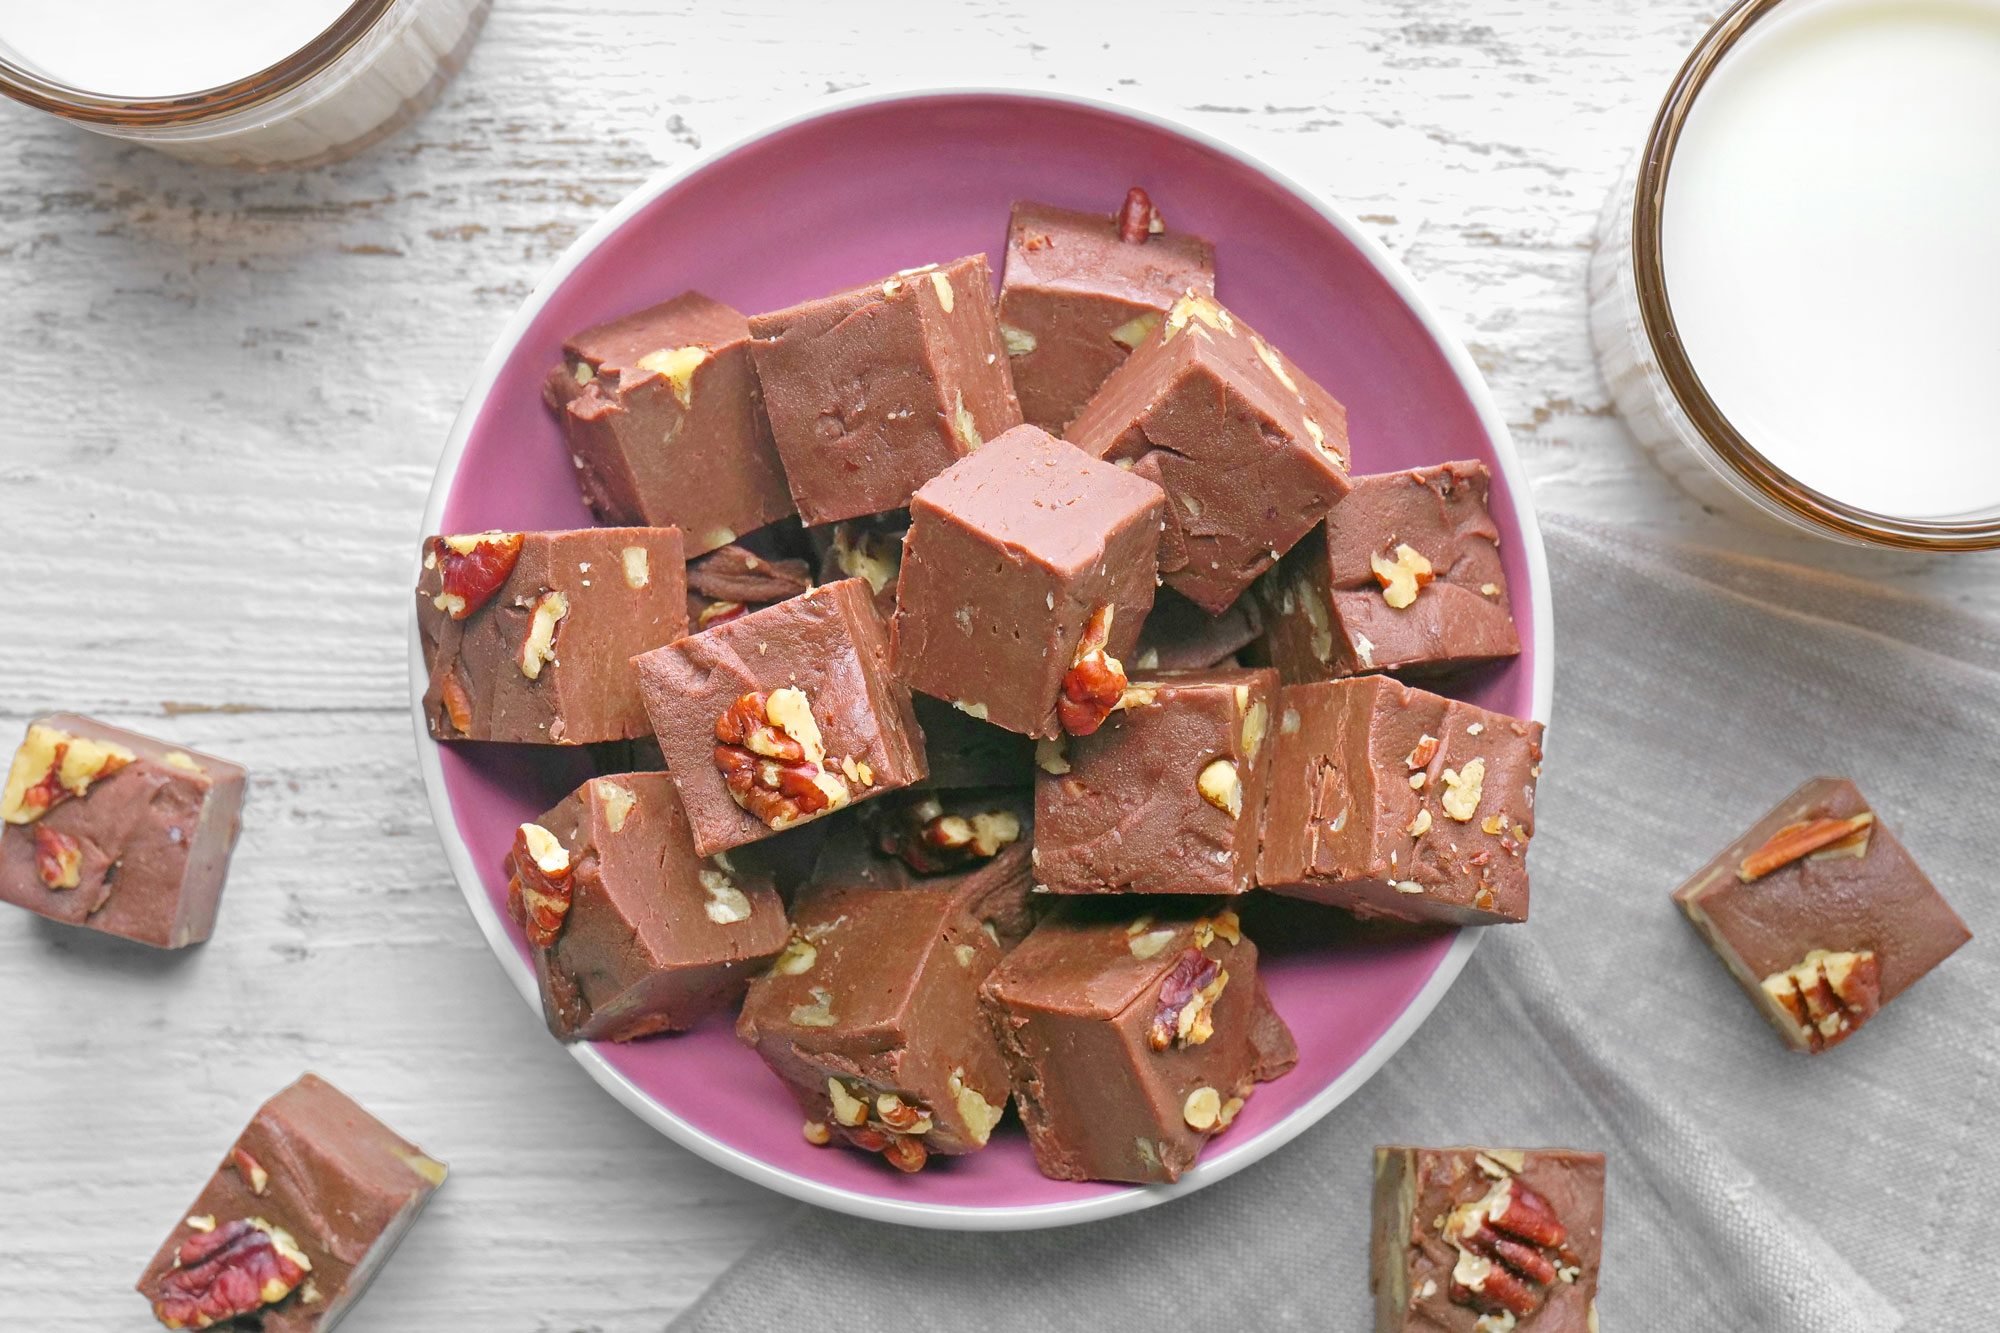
(889, 182)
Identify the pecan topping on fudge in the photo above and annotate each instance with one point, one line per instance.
(225, 1272)
(1511, 1249)
(772, 758)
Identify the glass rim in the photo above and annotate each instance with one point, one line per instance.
(1772, 484)
(193, 108)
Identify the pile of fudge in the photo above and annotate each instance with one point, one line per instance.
(953, 671)
(957, 665)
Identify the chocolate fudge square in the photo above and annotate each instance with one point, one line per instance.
(873, 391)
(1023, 560)
(1821, 915)
(1252, 453)
(1080, 290)
(633, 933)
(781, 716)
(1165, 797)
(1404, 575)
(105, 828)
(1134, 1033)
(1389, 801)
(1474, 1240)
(666, 423)
(296, 1220)
(871, 1015)
(1179, 635)
(526, 635)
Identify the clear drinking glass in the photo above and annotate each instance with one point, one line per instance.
(373, 69)
(1655, 383)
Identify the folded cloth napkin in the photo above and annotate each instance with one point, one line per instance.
(1750, 1188)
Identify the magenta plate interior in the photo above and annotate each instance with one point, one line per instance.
(859, 192)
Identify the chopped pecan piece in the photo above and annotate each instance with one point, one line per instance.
(539, 891)
(539, 647)
(58, 858)
(737, 574)
(1095, 683)
(1511, 1249)
(474, 567)
(457, 703)
(234, 1270)
(1828, 996)
(1795, 841)
(773, 760)
(930, 842)
(1138, 219)
(50, 767)
(719, 613)
(1402, 577)
(1186, 1010)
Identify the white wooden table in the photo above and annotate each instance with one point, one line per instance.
(222, 401)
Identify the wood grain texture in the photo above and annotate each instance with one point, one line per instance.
(224, 399)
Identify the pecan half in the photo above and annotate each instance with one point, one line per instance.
(1137, 218)
(773, 760)
(737, 574)
(1511, 1249)
(1828, 996)
(474, 568)
(237, 1269)
(1095, 683)
(538, 892)
(51, 766)
(930, 842)
(1796, 841)
(58, 858)
(457, 701)
(1186, 1001)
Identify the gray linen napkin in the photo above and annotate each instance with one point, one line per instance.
(1750, 1188)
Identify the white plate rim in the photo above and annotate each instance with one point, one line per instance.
(1211, 1167)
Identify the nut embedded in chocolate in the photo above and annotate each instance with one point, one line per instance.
(1828, 996)
(1484, 1239)
(472, 569)
(538, 890)
(235, 1269)
(931, 841)
(1095, 681)
(773, 760)
(1137, 218)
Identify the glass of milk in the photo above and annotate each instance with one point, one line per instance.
(1796, 291)
(250, 83)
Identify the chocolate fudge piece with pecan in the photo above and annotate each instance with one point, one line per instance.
(1252, 453)
(781, 716)
(1133, 1036)
(871, 1014)
(1179, 635)
(1821, 915)
(1026, 575)
(1404, 575)
(1473, 1240)
(666, 423)
(1081, 290)
(865, 548)
(105, 828)
(295, 1222)
(1165, 797)
(526, 635)
(633, 933)
(873, 391)
(1390, 801)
